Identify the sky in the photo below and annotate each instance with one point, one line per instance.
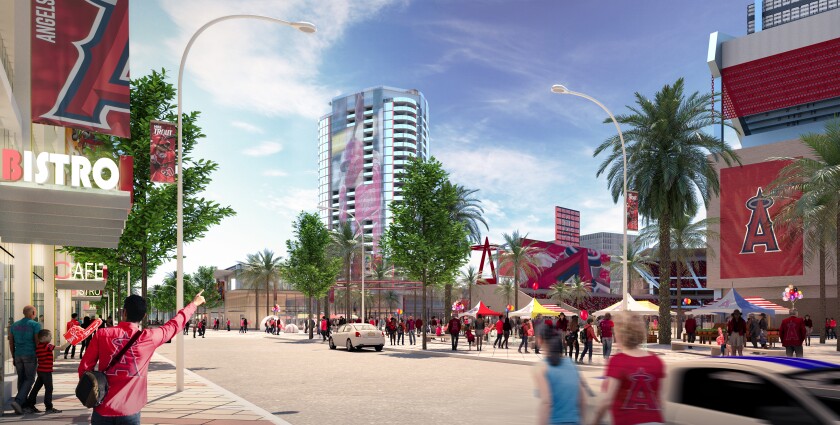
(485, 67)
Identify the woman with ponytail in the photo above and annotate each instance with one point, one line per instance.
(558, 383)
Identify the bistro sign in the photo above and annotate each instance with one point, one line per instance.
(31, 167)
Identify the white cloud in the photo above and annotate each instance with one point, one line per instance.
(264, 148)
(258, 66)
(291, 202)
(250, 128)
(275, 173)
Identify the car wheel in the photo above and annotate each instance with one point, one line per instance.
(349, 345)
(332, 344)
(379, 347)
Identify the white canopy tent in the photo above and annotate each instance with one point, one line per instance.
(633, 306)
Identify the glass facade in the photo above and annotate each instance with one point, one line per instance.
(7, 273)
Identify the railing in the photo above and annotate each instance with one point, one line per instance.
(7, 63)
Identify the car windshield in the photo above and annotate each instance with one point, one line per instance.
(823, 384)
(364, 327)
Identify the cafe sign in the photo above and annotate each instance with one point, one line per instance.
(80, 276)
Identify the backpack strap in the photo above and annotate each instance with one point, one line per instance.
(125, 348)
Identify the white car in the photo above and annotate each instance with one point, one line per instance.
(355, 336)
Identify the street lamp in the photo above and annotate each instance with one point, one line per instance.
(361, 230)
(560, 89)
(304, 27)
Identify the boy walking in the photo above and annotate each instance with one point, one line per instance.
(44, 353)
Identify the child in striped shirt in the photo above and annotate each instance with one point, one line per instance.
(44, 352)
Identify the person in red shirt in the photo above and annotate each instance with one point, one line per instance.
(44, 352)
(633, 379)
(691, 328)
(128, 379)
(792, 334)
(73, 322)
(832, 326)
(736, 329)
(454, 330)
(500, 329)
(606, 327)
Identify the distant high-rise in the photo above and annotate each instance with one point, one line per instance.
(364, 145)
(773, 13)
(566, 226)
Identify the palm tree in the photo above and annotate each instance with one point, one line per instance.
(346, 244)
(522, 259)
(667, 149)
(815, 215)
(258, 269)
(573, 292)
(686, 238)
(469, 279)
(638, 262)
(506, 289)
(468, 210)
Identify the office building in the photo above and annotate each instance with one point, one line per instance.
(612, 244)
(566, 226)
(773, 13)
(364, 144)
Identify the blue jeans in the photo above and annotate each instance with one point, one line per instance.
(97, 419)
(25, 369)
(607, 346)
(411, 338)
(587, 348)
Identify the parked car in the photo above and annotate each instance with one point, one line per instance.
(355, 336)
(751, 390)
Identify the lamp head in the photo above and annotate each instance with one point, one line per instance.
(559, 89)
(304, 26)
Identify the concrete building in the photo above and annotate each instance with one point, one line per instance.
(364, 145)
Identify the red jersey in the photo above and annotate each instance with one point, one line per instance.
(44, 352)
(606, 327)
(500, 327)
(549, 323)
(690, 325)
(792, 332)
(637, 400)
(128, 380)
(71, 323)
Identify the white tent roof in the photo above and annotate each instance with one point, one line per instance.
(729, 303)
(633, 306)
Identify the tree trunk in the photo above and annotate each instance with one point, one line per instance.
(469, 288)
(117, 301)
(515, 287)
(256, 301)
(837, 270)
(679, 300)
(415, 302)
(823, 313)
(379, 305)
(326, 305)
(309, 315)
(317, 309)
(425, 316)
(267, 298)
(447, 298)
(665, 279)
(347, 290)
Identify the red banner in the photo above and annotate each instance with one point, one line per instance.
(632, 210)
(750, 245)
(162, 146)
(80, 75)
(559, 263)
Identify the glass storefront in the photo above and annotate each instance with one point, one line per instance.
(6, 276)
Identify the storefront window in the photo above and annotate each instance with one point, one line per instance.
(6, 276)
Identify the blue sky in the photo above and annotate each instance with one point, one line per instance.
(485, 67)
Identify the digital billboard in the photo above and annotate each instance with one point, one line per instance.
(560, 263)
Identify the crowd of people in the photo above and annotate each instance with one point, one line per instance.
(794, 333)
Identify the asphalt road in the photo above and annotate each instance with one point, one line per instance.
(307, 383)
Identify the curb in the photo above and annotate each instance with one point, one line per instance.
(484, 359)
(264, 413)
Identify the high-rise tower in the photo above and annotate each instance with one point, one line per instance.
(364, 144)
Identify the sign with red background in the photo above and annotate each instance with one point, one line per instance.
(750, 245)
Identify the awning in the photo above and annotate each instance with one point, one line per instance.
(633, 306)
(481, 309)
(61, 215)
(78, 284)
(761, 302)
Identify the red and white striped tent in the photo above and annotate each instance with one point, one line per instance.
(761, 302)
(557, 309)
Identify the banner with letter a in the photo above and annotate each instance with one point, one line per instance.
(164, 139)
(750, 244)
(80, 65)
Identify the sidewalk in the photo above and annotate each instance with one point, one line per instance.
(201, 402)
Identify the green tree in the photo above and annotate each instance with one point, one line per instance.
(505, 289)
(149, 237)
(686, 239)
(573, 292)
(667, 163)
(423, 239)
(638, 262)
(811, 189)
(262, 268)
(347, 244)
(520, 257)
(469, 278)
(204, 279)
(309, 269)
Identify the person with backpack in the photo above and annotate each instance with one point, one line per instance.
(587, 336)
(525, 331)
(128, 378)
(792, 334)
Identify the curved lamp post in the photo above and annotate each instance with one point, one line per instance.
(361, 231)
(305, 27)
(560, 89)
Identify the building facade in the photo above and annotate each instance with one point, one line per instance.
(566, 226)
(612, 244)
(779, 81)
(364, 145)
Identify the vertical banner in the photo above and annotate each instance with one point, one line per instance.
(164, 139)
(80, 72)
(632, 210)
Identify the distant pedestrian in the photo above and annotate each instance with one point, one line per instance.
(809, 327)
(325, 328)
(409, 327)
(128, 378)
(216, 324)
(44, 351)
(454, 330)
(392, 331)
(791, 334)
(418, 324)
(558, 383)
(500, 328)
(833, 328)
(245, 321)
(507, 328)
(228, 325)
(762, 326)
(23, 338)
(525, 330)
(691, 329)
(736, 329)
(536, 326)
(633, 379)
(606, 326)
(479, 332)
(401, 333)
(562, 325)
(468, 334)
(195, 327)
(572, 336)
(241, 325)
(203, 327)
(589, 337)
(754, 330)
(86, 341)
(73, 322)
(187, 328)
